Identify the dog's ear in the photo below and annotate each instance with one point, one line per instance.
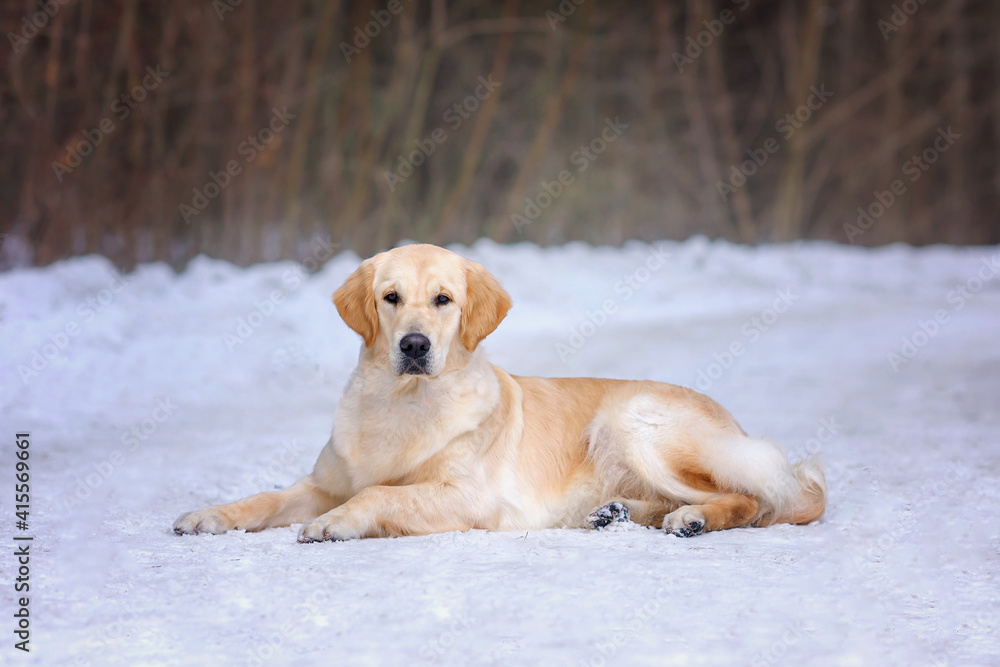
(355, 302)
(486, 304)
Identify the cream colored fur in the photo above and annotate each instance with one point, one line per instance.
(462, 444)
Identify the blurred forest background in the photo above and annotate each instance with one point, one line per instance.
(246, 130)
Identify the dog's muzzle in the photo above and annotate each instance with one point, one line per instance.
(415, 348)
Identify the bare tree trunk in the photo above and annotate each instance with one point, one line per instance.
(304, 129)
(474, 148)
(803, 59)
(961, 60)
(552, 113)
(741, 207)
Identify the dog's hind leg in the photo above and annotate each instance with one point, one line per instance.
(684, 448)
(724, 510)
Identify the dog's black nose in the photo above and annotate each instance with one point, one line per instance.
(414, 346)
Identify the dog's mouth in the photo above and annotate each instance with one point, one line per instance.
(413, 367)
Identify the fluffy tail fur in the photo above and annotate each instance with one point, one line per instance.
(810, 501)
(785, 492)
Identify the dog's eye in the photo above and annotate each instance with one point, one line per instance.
(442, 299)
(391, 297)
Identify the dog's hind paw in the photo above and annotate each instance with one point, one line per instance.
(613, 512)
(684, 522)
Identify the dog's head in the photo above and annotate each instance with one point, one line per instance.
(421, 309)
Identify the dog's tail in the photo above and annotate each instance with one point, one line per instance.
(785, 492)
(809, 503)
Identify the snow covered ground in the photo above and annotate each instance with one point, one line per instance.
(151, 394)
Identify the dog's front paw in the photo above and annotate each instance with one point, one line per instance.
(613, 512)
(684, 522)
(327, 528)
(208, 520)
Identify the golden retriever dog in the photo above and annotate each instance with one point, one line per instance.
(430, 437)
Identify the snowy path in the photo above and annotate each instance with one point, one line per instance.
(903, 569)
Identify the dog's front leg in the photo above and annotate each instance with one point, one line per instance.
(383, 511)
(302, 501)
